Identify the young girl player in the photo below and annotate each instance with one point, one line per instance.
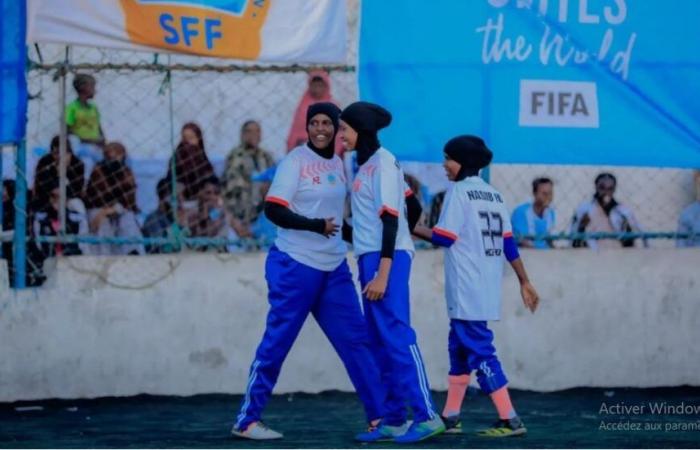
(474, 227)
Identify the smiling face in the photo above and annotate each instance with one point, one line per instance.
(321, 131)
(348, 136)
(452, 168)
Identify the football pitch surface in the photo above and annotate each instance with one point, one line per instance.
(615, 417)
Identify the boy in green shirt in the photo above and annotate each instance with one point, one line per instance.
(82, 116)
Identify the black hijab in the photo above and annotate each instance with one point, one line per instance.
(332, 112)
(470, 152)
(366, 119)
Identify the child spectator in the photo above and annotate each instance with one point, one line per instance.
(212, 220)
(46, 223)
(159, 224)
(82, 116)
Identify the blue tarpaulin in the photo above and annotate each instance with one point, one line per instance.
(543, 81)
(13, 83)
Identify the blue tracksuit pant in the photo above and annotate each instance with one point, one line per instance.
(394, 341)
(471, 348)
(295, 290)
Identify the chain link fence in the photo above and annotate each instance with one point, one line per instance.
(142, 184)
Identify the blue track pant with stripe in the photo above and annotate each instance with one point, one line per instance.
(295, 290)
(394, 341)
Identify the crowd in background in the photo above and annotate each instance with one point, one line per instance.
(198, 202)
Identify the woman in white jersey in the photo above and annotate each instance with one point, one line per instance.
(475, 229)
(306, 272)
(383, 245)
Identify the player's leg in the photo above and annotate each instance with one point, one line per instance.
(292, 291)
(391, 317)
(458, 382)
(339, 314)
(478, 339)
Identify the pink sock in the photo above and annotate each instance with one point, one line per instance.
(501, 400)
(458, 385)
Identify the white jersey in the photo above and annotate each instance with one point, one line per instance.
(378, 187)
(476, 217)
(314, 187)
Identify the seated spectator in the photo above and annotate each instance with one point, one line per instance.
(318, 90)
(535, 218)
(110, 197)
(47, 173)
(689, 220)
(603, 214)
(191, 162)
(82, 116)
(47, 223)
(242, 196)
(159, 224)
(33, 269)
(212, 220)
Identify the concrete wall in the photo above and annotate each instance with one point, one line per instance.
(189, 324)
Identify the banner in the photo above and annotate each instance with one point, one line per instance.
(296, 31)
(543, 81)
(13, 82)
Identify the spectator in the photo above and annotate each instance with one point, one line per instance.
(535, 218)
(191, 162)
(242, 196)
(47, 175)
(46, 223)
(603, 214)
(111, 201)
(159, 224)
(689, 220)
(82, 116)
(212, 219)
(35, 259)
(319, 90)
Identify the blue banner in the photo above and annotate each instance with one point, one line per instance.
(543, 81)
(13, 83)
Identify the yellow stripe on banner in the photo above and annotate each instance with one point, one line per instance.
(197, 30)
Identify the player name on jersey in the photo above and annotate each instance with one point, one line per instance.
(485, 196)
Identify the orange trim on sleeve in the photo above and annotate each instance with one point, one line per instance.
(507, 234)
(445, 233)
(391, 211)
(408, 193)
(279, 201)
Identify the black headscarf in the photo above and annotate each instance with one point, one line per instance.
(366, 119)
(332, 112)
(470, 152)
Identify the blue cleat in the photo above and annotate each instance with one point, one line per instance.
(382, 433)
(420, 431)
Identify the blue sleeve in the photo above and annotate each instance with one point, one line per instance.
(518, 221)
(442, 238)
(510, 248)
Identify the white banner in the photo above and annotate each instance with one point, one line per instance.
(298, 31)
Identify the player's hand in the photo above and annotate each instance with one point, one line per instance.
(530, 297)
(375, 289)
(331, 228)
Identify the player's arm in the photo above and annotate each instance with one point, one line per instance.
(527, 291)
(451, 221)
(283, 188)
(413, 208)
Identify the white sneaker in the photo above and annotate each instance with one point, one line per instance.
(257, 431)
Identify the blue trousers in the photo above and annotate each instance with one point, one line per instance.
(295, 290)
(471, 348)
(394, 342)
